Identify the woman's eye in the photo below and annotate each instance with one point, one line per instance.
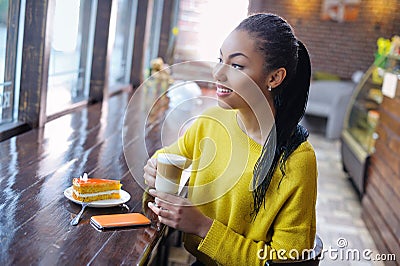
(237, 66)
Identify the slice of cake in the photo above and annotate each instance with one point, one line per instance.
(92, 189)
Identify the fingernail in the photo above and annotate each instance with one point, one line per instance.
(149, 203)
(152, 191)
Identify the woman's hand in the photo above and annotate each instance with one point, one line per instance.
(150, 171)
(179, 213)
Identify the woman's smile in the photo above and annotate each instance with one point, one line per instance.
(223, 91)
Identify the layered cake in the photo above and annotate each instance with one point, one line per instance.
(92, 189)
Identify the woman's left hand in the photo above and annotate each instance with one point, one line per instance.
(179, 213)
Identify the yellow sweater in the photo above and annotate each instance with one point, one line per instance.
(223, 162)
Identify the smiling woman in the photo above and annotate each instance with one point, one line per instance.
(259, 189)
(250, 63)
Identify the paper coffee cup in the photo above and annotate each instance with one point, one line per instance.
(169, 171)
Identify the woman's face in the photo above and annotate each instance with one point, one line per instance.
(241, 79)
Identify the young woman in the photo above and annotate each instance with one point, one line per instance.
(225, 222)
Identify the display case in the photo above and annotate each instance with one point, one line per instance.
(359, 135)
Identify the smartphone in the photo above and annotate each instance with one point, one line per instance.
(109, 221)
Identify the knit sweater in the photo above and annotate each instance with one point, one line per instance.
(223, 159)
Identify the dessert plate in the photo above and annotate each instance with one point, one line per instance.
(125, 196)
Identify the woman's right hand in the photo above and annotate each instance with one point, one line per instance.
(150, 171)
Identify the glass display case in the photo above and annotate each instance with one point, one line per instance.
(359, 129)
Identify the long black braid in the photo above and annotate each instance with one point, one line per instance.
(276, 41)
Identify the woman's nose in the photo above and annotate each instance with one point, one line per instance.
(219, 72)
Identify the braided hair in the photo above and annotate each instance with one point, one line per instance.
(275, 39)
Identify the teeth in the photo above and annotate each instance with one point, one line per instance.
(223, 90)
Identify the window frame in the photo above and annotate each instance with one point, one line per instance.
(12, 70)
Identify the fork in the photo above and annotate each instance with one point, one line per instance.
(76, 219)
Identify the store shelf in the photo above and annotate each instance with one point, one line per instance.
(359, 136)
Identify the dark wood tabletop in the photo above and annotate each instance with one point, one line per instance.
(37, 166)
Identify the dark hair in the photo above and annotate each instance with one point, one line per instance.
(275, 39)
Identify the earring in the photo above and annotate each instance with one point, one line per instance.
(269, 88)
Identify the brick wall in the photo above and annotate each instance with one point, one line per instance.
(382, 197)
(337, 47)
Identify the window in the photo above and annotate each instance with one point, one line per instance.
(155, 30)
(70, 56)
(122, 42)
(10, 58)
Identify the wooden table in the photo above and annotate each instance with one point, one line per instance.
(36, 168)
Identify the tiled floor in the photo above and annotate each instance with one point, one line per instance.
(339, 222)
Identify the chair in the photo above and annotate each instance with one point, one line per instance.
(312, 259)
(329, 99)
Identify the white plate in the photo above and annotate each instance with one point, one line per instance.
(125, 196)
